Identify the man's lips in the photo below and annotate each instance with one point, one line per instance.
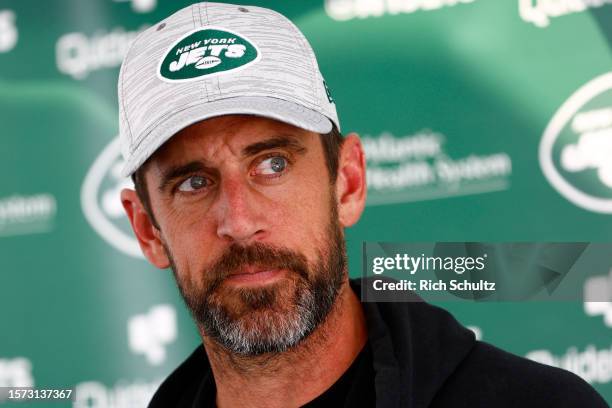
(252, 274)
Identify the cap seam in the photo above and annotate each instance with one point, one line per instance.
(206, 11)
(123, 98)
(205, 83)
(301, 41)
(218, 85)
(304, 43)
(123, 72)
(208, 96)
(202, 84)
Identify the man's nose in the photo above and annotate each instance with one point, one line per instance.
(239, 216)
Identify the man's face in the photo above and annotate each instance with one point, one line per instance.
(247, 217)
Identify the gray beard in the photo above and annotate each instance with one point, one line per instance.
(265, 327)
(270, 331)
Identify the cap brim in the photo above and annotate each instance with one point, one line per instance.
(269, 107)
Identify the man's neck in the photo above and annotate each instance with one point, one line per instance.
(297, 376)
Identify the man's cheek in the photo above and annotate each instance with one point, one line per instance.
(305, 223)
(189, 259)
(189, 233)
(185, 219)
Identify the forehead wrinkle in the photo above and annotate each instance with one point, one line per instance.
(206, 141)
(194, 146)
(274, 142)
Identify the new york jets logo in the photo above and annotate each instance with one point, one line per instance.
(576, 148)
(207, 52)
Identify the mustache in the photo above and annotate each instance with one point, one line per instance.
(260, 255)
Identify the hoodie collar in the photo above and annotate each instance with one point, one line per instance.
(415, 346)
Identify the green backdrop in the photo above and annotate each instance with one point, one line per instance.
(483, 120)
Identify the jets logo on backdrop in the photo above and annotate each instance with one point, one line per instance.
(576, 148)
(101, 204)
(207, 52)
(8, 31)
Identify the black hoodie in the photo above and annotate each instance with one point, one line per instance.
(422, 357)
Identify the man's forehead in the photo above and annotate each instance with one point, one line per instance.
(234, 132)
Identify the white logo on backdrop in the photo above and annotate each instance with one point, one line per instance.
(124, 394)
(592, 364)
(150, 333)
(592, 148)
(598, 296)
(21, 215)
(539, 12)
(16, 372)
(8, 31)
(101, 203)
(417, 167)
(78, 55)
(140, 6)
(342, 10)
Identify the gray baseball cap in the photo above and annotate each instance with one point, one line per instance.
(213, 59)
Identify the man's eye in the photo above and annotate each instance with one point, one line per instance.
(272, 165)
(194, 183)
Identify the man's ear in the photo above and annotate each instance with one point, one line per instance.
(149, 237)
(351, 189)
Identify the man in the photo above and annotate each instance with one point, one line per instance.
(244, 187)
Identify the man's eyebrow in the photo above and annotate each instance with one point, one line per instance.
(282, 141)
(175, 172)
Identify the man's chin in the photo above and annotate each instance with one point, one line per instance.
(261, 331)
(252, 320)
(243, 300)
